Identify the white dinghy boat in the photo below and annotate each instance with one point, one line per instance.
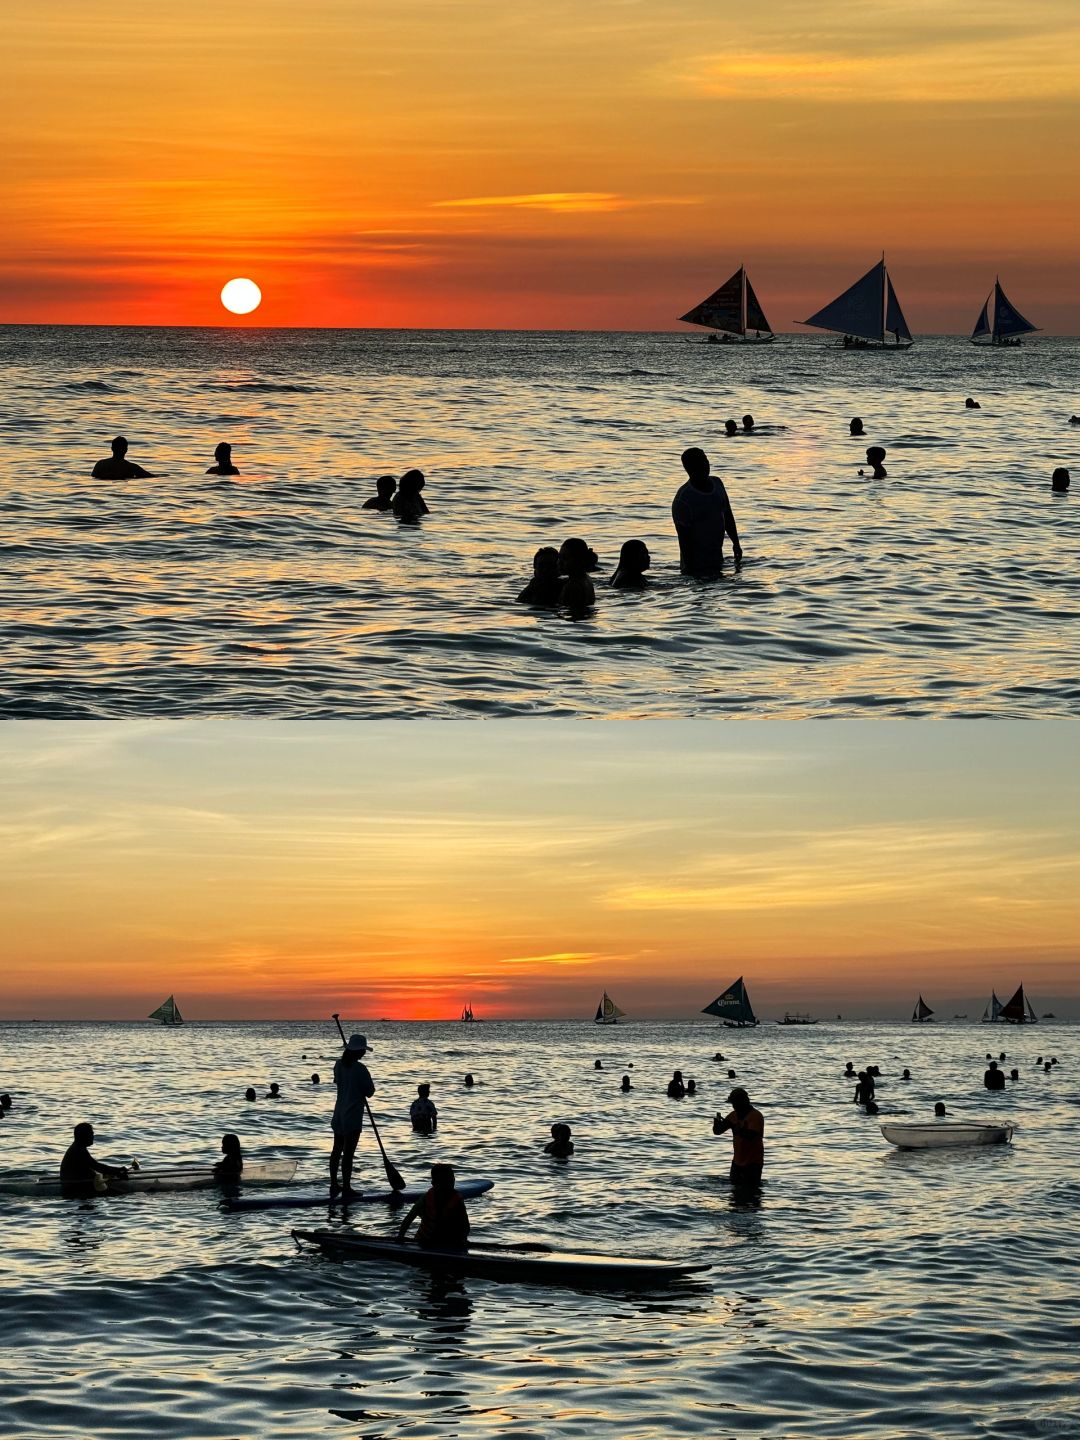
(946, 1133)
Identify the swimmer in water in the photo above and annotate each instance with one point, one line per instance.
(223, 461)
(634, 560)
(577, 592)
(971, 404)
(546, 584)
(1074, 419)
(232, 1165)
(560, 1145)
(874, 456)
(691, 1087)
(748, 424)
(274, 1093)
(856, 426)
(864, 1089)
(730, 428)
(849, 1071)
(422, 1111)
(118, 466)
(625, 1084)
(249, 1093)
(315, 1080)
(383, 499)
(598, 1065)
(1059, 482)
(939, 1109)
(408, 504)
(906, 1075)
(469, 1082)
(676, 1089)
(994, 1079)
(5, 1101)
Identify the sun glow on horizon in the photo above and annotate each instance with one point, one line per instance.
(241, 296)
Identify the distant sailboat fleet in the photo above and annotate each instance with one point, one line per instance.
(867, 315)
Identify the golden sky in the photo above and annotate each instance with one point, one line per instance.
(571, 163)
(287, 870)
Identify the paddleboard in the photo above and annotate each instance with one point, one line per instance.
(173, 1177)
(465, 1188)
(504, 1263)
(945, 1133)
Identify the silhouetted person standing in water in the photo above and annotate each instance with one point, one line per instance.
(747, 1127)
(702, 514)
(1059, 482)
(577, 592)
(117, 467)
(354, 1086)
(223, 456)
(994, 1079)
(383, 498)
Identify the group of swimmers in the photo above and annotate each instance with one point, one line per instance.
(993, 1079)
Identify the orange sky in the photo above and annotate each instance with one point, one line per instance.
(287, 870)
(563, 164)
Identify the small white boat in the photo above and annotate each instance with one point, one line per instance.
(946, 1133)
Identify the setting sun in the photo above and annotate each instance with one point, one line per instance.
(241, 296)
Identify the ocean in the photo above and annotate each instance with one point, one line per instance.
(949, 589)
(868, 1293)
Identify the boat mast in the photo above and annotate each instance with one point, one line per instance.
(742, 298)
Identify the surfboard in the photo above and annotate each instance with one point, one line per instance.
(173, 1177)
(508, 1263)
(311, 1199)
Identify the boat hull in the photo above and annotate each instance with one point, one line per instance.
(504, 1264)
(468, 1189)
(176, 1177)
(946, 1135)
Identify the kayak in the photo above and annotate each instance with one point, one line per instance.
(946, 1133)
(173, 1177)
(466, 1188)
(527, 1265)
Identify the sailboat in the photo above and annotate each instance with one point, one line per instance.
(993, 1009)
(168, 1012)
(921, 1012)
(1018, 1010)
(999, 322)
(731, 313)
(867, 314)
(733, 1007)
(467, 1014)
(607, 1012)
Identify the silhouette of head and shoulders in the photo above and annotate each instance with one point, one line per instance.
(223, 461)
(383, 499)
(117, 466)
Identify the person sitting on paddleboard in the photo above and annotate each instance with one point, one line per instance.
(354, 1086)
(422, 1111)
(231, 1167)
(78, 1168)
(444, 1221)
(747, 1127)
(560, 1145)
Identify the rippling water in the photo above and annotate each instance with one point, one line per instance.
(870, 1293)
(950, 588)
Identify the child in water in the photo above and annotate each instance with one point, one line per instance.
(383, 498)
(634, 560)
(560, 1145)
(408, 504)
(576, 560)
(444, 1221)
(422, 1111)
(232, 1165)
(875, 456)
(546, 584)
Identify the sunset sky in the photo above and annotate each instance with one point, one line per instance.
(286, 870)
(571, 163)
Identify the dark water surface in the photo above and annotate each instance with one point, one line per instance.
(949, 589)
(870, 1293)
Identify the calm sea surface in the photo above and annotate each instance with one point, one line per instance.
(870, 1293)
(951, 588)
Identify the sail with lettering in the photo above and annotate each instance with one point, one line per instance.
(921, 1012)
(999, 322)
(867, 314)
(733, 1007)
(607, 1012)
(1018, 1010)
(168, 1012)
(732, 313)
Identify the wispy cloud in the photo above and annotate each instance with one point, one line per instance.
(565, 202)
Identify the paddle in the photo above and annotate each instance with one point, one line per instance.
(394, 1177)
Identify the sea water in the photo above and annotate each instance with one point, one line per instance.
(867, 1292)
(950, 588)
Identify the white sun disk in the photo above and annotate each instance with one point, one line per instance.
(241, 296)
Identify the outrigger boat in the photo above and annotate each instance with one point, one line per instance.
(168, 1012)
(1017, 1011)
(867, 314)
(999, 322)
(731, 313)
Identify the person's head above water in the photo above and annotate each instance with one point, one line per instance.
(230, 1144)
(275, 1088)
(84, 1133)
(249, 1093)
(1060, 480)
(574, 556)
(971, 404)
(385, 486)
(747, 422)
(739, 1100)
(469, 1080)
(442, 1178)
(315, 1079)
(993, 1064)
(939, 1108)
(626, 1082)
(634, 557)
(546, 561)
(423, 1091)
(856, 426)
(223, 452)
(411, 483)
(696, 463)
(119, 447)
(560, 1132)
(875, 455)
(730, 428)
